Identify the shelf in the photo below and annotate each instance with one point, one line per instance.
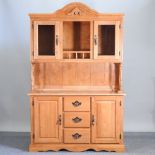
(115, 61)
(76, 55)
(71, 92)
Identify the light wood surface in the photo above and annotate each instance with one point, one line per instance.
(77, 147)
(47, 128)
(78, 119)
(77, 103)
(75, 75)
(76, 97)
(73, 135)
(105, 128)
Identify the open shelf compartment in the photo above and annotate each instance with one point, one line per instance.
(76, 39)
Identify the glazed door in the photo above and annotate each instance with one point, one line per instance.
(47, 119)
(107, 40)
(46, 39)
(106, 120)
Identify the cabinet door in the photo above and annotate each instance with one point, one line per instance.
(47, 119)
(106, 123)
(46, 39)
(107, 39)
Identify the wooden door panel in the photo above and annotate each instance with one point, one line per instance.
(46, 113)
(107, 123)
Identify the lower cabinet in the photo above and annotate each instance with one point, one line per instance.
(47, 120)
(76, 120)
(106, 119)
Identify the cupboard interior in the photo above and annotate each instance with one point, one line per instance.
(106, 40)
(46, 40)
(76, 39)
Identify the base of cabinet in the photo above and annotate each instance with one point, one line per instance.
(77, 147)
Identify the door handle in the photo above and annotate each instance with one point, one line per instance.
(59, 120)
(57, 40)
(95, 39)
(93, 120)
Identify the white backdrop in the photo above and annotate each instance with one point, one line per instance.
(138, 70)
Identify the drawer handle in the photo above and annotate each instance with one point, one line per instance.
(76, 103)
(76, 136)
(76, 120)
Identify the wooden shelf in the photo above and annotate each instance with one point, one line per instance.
(76, 55)
(71, 92)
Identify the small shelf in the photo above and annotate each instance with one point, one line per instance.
(76, 40)
(76, 55)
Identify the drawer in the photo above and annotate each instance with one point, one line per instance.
(78, 119)
(76, 135)
(77, 103)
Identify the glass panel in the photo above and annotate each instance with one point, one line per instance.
(106, 40)
(76, 36)
(46, 39)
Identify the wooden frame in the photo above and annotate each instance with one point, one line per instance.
(76, 97)
(36, 52)
(117, 39)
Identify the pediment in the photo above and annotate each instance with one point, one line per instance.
(76, 9)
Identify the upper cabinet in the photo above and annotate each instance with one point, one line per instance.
(46, 39)
(77, 39)
(76, 32)
(107, 40)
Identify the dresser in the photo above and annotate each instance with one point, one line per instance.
(76, 97)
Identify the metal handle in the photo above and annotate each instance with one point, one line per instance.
(76, 136)
(93, 120)
(59, 120)
(76, 103)
(76, 120)
(95, 39)
(56, 39)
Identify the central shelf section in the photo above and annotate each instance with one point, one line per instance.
(76, 39)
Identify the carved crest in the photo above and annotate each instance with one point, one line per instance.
(76, 11)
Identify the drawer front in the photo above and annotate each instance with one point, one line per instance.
(78, 119)
(77, 103)
(76, 135)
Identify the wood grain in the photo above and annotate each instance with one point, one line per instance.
(78, 119)
(76, 98)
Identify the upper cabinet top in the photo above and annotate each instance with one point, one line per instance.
(76, 10)
(76, 32)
